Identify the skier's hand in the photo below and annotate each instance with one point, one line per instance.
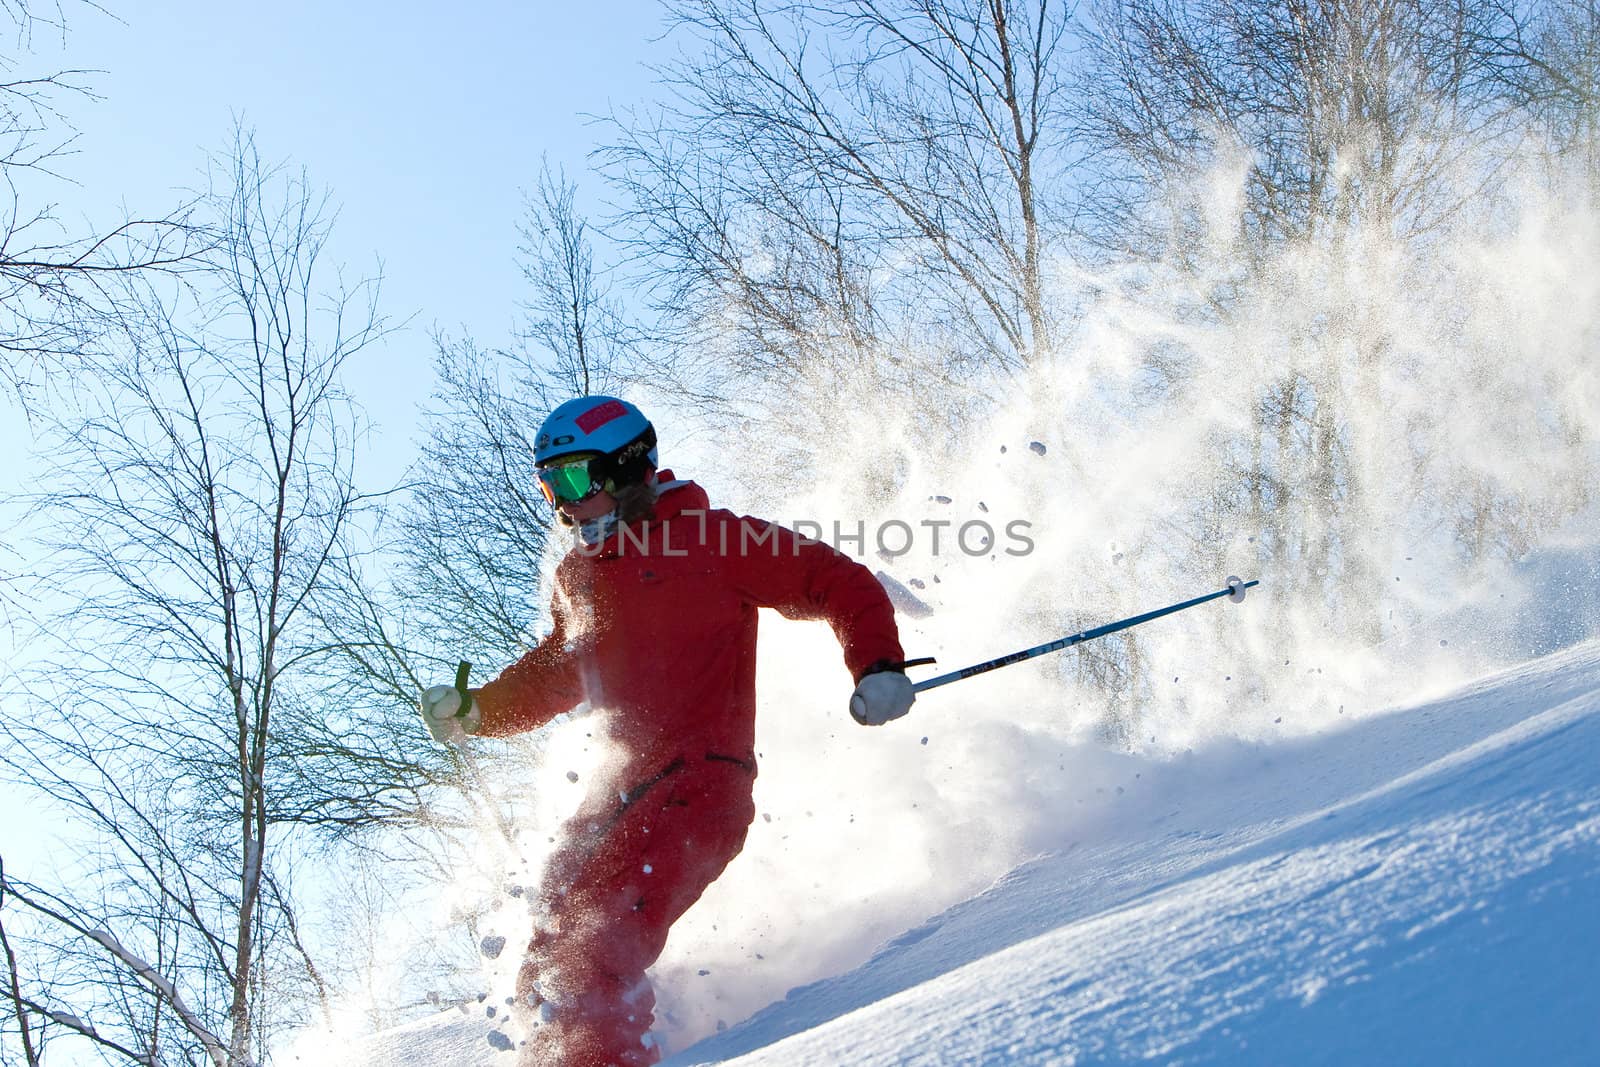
(449, 714)
(883, 694)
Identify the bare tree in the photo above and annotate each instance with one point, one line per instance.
(202, 498)
(1361, 128)
(456, 573)
(832, 182)
(28, 1036)
(1546, 56)
(1353, 112)
(474, 533)
(59, 287)
(469, 541)
(580, 338)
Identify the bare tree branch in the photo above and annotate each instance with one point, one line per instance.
(202, 502)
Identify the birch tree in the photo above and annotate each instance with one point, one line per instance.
(1364, 134)
(201, 499)
(861, 192)
(458, 574)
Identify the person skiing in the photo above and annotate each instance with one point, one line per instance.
(653, 627)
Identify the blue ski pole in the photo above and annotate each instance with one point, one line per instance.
(1234, 592)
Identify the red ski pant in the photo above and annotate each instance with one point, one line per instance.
(628, 867)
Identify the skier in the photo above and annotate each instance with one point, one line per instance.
(653, 619)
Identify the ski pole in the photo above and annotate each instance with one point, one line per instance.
(1234, 592)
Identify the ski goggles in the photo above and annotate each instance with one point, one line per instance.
(570, 481)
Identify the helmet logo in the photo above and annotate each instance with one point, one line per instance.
(596, 417)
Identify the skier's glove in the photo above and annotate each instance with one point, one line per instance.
(884, 693)
(449, 713)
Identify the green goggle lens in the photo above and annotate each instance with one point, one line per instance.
(568, 483)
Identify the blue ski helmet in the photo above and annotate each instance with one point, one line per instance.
(602, 427)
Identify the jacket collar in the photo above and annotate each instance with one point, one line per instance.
(677, 497)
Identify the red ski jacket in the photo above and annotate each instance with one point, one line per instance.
(657, 628)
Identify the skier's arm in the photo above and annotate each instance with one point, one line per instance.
(535, 689)
(772, 566)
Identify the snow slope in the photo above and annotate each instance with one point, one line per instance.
(1422, 886)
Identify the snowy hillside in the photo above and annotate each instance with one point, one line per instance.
(1421, 886)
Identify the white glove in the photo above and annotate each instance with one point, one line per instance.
(446, 719)
(880, 697)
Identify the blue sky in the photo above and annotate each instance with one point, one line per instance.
(426, 121)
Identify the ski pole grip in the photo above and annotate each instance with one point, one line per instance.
(462, 670)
